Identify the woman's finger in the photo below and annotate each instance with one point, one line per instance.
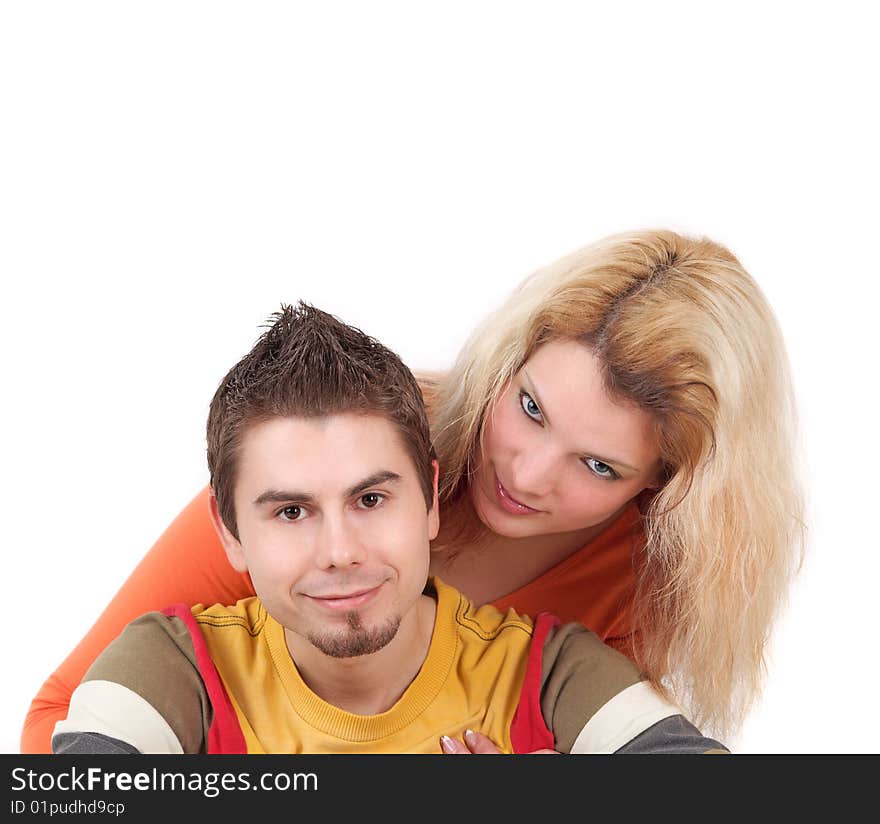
(452, 746)
(479, 743)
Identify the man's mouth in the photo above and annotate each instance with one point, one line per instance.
(345, 600)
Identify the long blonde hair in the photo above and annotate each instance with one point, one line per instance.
(682, 330)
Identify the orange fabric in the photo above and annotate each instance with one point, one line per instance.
(594, 586)
(188, 565)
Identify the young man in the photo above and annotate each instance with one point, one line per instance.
(325, 491)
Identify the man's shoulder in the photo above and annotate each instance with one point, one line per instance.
(248, 613)
(487, 621)
(143, 693)
(161, 636)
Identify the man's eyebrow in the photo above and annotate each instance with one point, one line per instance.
(537, 398)
(381, 477)
(279, 496)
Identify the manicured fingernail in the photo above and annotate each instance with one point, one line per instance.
(447, 744)
(469, 735)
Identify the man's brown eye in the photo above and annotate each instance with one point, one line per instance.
(370, 500)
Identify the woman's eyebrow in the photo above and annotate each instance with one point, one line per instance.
(589, 453)
(535, 396)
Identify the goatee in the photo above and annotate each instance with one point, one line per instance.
(357, 639)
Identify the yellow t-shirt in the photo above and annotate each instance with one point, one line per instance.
(222, 679)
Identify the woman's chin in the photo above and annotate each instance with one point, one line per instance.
(504, 524)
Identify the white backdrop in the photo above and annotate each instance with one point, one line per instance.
(170, 172)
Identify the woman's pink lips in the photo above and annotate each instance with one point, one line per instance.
(510, 504)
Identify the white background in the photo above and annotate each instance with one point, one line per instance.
(173, 171)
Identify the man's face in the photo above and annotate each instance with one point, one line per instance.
(333, 529)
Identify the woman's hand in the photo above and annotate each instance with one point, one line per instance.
(475, 743)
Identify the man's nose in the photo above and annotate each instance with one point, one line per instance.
(339, 544)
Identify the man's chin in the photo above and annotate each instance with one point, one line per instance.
(355, 640)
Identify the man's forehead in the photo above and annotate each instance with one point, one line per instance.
(321, 455)
(302, 434)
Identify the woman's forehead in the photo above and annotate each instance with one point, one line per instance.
(566, 380)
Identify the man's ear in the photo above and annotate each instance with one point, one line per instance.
(434, 511)
(231, 544)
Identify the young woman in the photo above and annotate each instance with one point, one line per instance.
(616, 446)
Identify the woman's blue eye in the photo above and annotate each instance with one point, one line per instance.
(600, 469)
(530, 407)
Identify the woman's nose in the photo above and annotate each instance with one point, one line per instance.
(534, 473)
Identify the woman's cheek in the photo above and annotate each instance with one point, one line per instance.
(505, 425)
(594, 503)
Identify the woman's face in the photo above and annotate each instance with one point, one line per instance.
(560, 455)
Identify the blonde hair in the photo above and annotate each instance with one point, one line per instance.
(683, 331)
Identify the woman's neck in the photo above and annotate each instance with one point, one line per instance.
(493, 566)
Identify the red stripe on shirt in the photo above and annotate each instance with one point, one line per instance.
(224, 734)
(528, 730)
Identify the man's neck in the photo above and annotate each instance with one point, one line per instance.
(368, 684)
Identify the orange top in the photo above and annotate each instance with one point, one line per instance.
(594, 586)
(188, 565)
